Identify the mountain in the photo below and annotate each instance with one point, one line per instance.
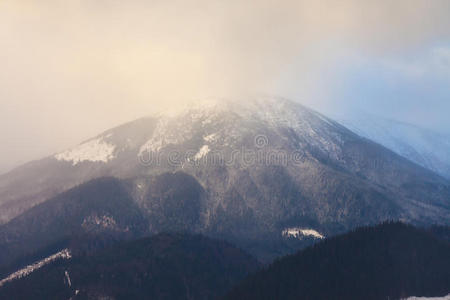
(267, 174)
(166, 266)
(103, 211)
(389, 261)
(425, 147)
(38, 181)
(101, 206)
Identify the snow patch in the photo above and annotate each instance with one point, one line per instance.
(95, 150)
(69, 282)
(299, 233)
(211, 138)
(167, 132)
(429, 298)
(63, 254)
(204, 150)
(104, 221)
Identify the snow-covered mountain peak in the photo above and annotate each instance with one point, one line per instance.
(230, 120)
(264, 107)
(201, 105)
(266, 154)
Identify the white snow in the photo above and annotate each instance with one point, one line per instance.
(178, 126)
(167, 132)
(96, 150)
(102, 221)
(63, 254)
(69, 282)
(204, 150)
(227, 119)
(211, 137)
(299, 233)
(422, 146)
(323, 118)
(429, 298)
(158, 139)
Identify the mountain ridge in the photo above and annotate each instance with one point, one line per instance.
(422, 146)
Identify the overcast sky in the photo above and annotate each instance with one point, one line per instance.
(70, 69)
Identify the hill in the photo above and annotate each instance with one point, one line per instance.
(166, 266)
(389, 261)
(99, 207)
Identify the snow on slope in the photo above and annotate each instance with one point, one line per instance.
(171, 131)
(96, 150)
(424, 147)
(299, 233)
(63, 254)
(429, 298)
(209, 116)
(204, 150)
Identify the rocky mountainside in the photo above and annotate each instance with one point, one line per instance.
(256, 172)
(389, 261)
(422, 146)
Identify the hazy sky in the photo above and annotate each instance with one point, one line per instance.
(70, 69)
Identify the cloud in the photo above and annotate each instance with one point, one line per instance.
(72, 68)
(414, 89)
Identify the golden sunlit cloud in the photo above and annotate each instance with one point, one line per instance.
(92, 64)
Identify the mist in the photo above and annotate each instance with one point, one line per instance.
(71, 69)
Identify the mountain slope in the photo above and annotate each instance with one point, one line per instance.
(166, 266)
(389, 261)
(100, 206)
(102, 211)
(250, 169)
(41, 180)
(424, 147)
